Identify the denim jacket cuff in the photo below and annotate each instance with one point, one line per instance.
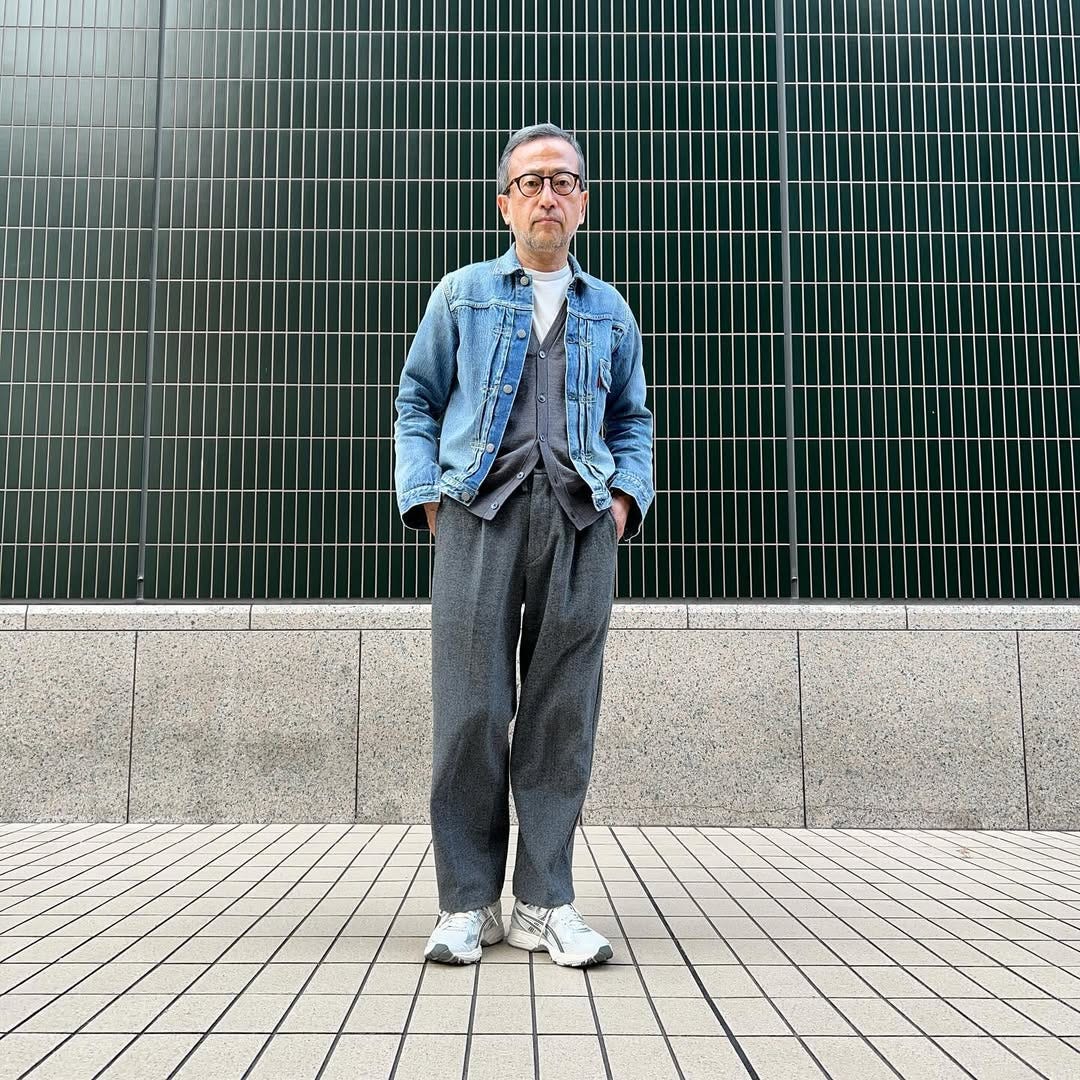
(411, 505)
(642, 495)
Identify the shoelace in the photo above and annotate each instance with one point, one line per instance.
(454, 920)
(576, 924)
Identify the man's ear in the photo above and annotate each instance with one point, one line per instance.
(503, 202)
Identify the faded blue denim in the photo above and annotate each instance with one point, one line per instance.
(451, 416)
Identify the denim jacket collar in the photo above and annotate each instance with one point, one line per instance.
(509, 263)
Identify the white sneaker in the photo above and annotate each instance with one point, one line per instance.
(561, 931)
(459, 936)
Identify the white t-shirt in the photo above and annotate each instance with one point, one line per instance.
(549, 292)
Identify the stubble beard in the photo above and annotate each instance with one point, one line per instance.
(546, 242)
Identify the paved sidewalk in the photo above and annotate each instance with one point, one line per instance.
(293, 951)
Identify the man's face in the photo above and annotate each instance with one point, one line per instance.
(545, 224)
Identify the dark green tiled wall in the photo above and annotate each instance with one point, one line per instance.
(322, 164)
(76, 202)
(316, 182)
(934, 269)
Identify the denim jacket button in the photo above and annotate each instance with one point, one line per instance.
(490, 446)
(521, 333)
(524, 280)
(508, 389)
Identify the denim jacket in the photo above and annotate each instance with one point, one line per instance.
(461, 376)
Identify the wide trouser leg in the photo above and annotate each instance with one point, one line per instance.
(476, 599)
(570, 582)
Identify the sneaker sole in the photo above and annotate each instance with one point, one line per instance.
(521, 940)
(443, 954)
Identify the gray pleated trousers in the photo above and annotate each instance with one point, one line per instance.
(529, 555)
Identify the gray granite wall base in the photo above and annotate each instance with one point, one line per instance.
(698, 726)
(1050, 677)
(908, 730)
(869, 715)
(246, 726)
(65, 725)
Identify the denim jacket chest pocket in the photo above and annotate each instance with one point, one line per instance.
(599, 338)
(490, 325)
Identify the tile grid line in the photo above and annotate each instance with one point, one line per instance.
(9, 827)
(892, 900)
(155, 246)
(844, 964)
(48, 833)
(897, 841)
(71, 1035)
(604, 1058)
(472, 1020)
(948, 963)
(889, 876)
(360, 989)
(335, 939)
(974, 945)
(231, 940)
(532, 1007)
(373, 836)
(629, 948)
(766, 936)
(974, 919)
(275, 838)
(111, 897)
(1003, 839)
(706, 997)
(16, 836)
(107, 898)
(144, 828)
(785, 294)
(667, 867)
(1041, 841)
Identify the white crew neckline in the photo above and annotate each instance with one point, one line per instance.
(551, 275)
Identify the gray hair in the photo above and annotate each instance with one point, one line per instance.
(530, 134)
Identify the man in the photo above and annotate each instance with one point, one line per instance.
(523, 443)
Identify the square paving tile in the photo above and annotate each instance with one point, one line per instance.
(496, 1057)
(285, 949)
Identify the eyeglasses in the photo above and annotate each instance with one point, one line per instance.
(531, 184)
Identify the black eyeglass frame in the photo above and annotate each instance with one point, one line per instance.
(516, 182)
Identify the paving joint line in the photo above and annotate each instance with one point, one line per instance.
(334, 940)
(633, 956)
(139, 939)
(746, 1063)
(851, 967)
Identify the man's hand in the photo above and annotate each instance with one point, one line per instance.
(620, 507)
(431, 509)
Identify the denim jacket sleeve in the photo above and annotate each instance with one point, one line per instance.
(628, 427)
(423, 391)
